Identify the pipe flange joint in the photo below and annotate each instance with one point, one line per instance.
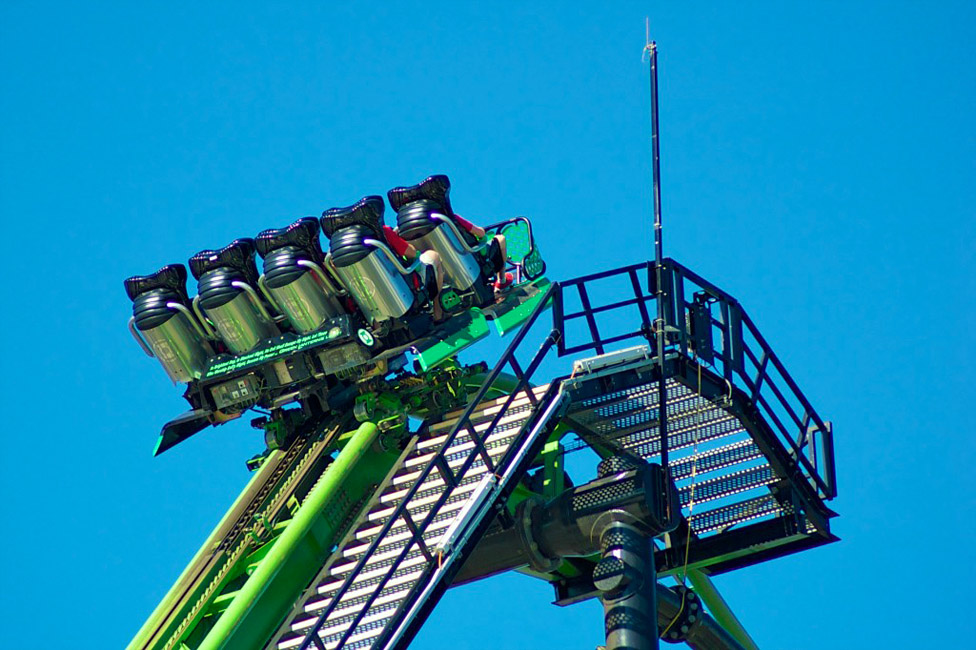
(538, 560)
(687, 618)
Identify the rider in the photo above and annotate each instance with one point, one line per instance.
(350, 229)
(434, 191)
(503, 280)
(409, 252)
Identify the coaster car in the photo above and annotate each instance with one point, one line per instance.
(294, 281)
(316, 329)
(425, 219)
(393, 298)
(227, 296)
(163, 325)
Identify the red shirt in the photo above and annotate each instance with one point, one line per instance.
(396, 242)
(464, 223)
(400, 247)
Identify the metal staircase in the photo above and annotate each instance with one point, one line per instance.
(400, 555)
(752, 458)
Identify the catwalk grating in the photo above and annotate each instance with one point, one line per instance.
(696, 425)
(394, 563)
(723, 465)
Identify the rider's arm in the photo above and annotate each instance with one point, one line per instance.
(469, 227)
(400, 246)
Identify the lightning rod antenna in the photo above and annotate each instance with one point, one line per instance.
(662, 393)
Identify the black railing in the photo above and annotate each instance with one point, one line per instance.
(703, 322)
(598, 342)
(451, 479)
(746, 360)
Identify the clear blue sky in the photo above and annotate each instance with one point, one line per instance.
(818, 163)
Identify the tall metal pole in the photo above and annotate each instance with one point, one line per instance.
(662, 389)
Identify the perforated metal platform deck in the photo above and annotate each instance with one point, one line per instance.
(442, 485)
(735, 482)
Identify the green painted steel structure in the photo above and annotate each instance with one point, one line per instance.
(242, 600)
(296, 555)
(168, 608)
(226, 603)
(229, 603)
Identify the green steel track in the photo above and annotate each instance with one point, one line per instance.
(283, 525)
(286, 522)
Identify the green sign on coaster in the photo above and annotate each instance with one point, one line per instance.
(366, 337)
(519, 243)
(274, 351)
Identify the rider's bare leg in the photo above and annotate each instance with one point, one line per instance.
(431, 258)
(502, 278)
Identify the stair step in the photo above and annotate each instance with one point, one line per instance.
(458, 501)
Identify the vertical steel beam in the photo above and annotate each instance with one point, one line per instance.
(626, 577)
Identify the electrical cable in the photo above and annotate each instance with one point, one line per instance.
(691, 507)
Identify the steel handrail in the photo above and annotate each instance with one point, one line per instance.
(732, 351)
(311, 635)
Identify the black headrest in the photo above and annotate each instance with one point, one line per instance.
(436, 188)
(368, 211)
(237, 255)
(171, 276)
(303, 234)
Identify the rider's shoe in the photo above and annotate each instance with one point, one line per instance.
(502, 286)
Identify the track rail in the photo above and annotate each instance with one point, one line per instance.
(242, 529)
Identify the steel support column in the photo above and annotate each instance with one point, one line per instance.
(626, 577)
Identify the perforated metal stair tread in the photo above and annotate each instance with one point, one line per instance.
(716, 459)
(456, 495)
(735, 513)
(713, 459)
(723, 486)
(488, 408)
